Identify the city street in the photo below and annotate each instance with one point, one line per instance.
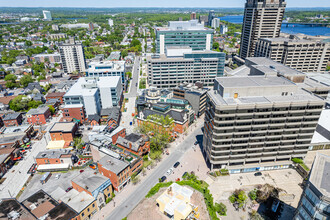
(139, 193)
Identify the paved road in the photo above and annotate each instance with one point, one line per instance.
(135, 74)
(134, 199)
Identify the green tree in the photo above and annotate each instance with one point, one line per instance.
(51, 109)
(124, 53)
(220, 208)
(11, 81)
(253, 194)
(129, 74)
(25, 80)
(215, 45)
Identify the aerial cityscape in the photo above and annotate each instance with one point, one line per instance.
(165, 110)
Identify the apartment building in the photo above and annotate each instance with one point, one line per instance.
(301, 54)
(182, 65)
(47, 15)
(72, 57)
(315, 199)
(94, 94)
(184, 33)
(258, 122)
(107, 68)
(51, 58)
(262, 19)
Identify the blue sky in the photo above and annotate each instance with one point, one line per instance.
(150, 3)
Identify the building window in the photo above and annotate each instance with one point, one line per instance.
(82, 214)
(87, 209)
(108, 194)
(93, 205)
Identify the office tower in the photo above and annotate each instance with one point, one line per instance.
(210, 18)
(110, 22)
(72, 56)
(262, 19)
(315, 199)
(107, 68)
(215, 23)
(307, 55)
(203, 19)
(183, 33)
(182, 65)
(193, 16)
(90, 26)
(47, 15)
(259, 119)
(223, 29)
(95, 93)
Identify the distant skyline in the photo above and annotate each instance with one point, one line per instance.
(151, 3)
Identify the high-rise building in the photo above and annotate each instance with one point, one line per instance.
(315, 199)
(90, 26)
(182, 65)
(47, 15)
(110, 22)
(223, 29)
(193, 16)
(203, 19)
(72, 56)
(184, 33)
(262, 19)
(210, 18)
(301, 54)
(259, 119)
(95, 93)
(215, 23)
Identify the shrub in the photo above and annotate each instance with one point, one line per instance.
(238, 196)
(220, 208)
(253, 194)
(156, 188)
(108, 200)
(297, 160)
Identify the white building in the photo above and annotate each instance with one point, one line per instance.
(95, 93)
(80, 25)
(223, 29)
(107, 68)
(110, 22)
(215, 23)
(47, 15)
(55, 27)
(72, 56)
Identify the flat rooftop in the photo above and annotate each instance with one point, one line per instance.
(113, 164)
(253, 81)
(319, 174)
(90, 181)
(62, 127)
(8, 206)
(289, 40)
(52, 154)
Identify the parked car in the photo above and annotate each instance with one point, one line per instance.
(169, 172)
(176, 164)
(92, 166)
(57, 176)
(185, 173)
(257, 174)
(68, 189)
(81, 171)
(196, 143)
(163, 178)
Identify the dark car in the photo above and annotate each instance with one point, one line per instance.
(196, 143)
(176, 164)
(258, 174)
(185, 173)
(68, 189)
(162, 179)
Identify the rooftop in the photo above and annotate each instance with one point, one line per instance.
(11, 116)
(12, 209)
(60, 212)
(191, 25)
(90, 181)
(104, 66)
(319, 174)
(62, 127)
(113, 164)
(52, 154)
(38, 111)
(78, 201)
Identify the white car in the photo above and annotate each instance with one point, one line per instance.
(57, 176)
(169, 172)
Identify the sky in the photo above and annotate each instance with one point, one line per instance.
(150, 3)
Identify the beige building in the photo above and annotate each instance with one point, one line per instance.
(262, 18)
(259, 121)
(301, 54)
(72, 56)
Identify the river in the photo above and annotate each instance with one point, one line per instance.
(290, 29)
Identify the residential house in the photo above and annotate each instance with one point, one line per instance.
(62, 159)
(34, 86)
(38, 116)
(12, 119)
(55, 95)
(134, 143)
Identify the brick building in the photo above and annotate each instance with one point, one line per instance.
(118, 171)
(12, 119)
(75, 112)
(54, 157)
(55, 95)
(134, 143)
(63, 131)
(37, 116)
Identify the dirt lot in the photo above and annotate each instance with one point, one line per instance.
(148, 210)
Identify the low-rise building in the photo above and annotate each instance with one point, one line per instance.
(12, 119)
(38, 116)
(55, 95)
(96, 185)
(111, 116)
(134, 143)
(75, 112)
(51, 58)
(12, 209)
(63, 131)
(51, 157)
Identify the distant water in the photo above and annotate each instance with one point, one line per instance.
(291, 29)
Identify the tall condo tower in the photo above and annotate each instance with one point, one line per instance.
(262, 19)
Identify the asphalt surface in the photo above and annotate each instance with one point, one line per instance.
(135, 76)
(137, 196)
